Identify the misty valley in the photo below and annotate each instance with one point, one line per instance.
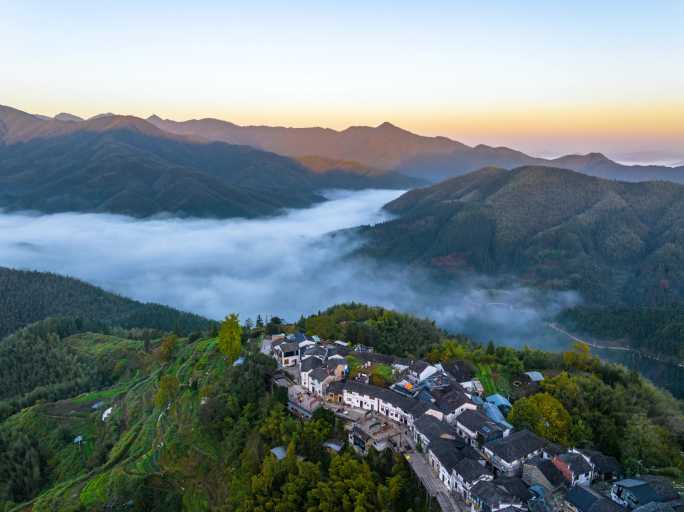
(204, 316)
(291, 264)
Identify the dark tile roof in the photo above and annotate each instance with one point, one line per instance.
(376, 358)
(641, 490)
(603, 463)
(447, 451)
(549, 470)
(515, 446)
(450, 400)
(654, 506)
(334, 363)
(418, 366)
(471, 453)
(289, 347)
(662, 487)
(476, 421)
(319, 374)
(336, 387)
(314, 350)
(515, 487)
(409, 405)
(459, 370)
(470, 470)
(553, 449)
(582, 498)
(311, 363)
(606, 505)
(586, 499)
(432, 428)
(338, 350)
(491, 494)
(577, 464)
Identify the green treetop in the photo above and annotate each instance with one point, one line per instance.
(230, 337)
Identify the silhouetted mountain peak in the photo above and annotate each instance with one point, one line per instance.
(99, 116)
(387, 125)
(66, 117)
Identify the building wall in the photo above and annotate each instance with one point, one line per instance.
(369, 403)
(531, 476)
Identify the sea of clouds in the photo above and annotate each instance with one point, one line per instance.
(286, 265)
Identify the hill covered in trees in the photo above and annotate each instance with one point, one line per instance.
(657, 331)
(180, 428)
(27, 297)
(615, 242)
(172, 425)
(385, 330)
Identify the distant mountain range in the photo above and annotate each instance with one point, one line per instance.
(388, 147)
(126, 165)
(615, 242)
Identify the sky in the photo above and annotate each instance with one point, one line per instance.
(545, 77)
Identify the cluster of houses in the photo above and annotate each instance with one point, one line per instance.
(463, 434)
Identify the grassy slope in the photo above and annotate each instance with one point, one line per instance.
(136, 431)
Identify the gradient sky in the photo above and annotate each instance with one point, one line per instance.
(546, 77)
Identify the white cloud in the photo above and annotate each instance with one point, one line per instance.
(286, 265)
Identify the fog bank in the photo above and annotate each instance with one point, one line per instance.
(286, 266)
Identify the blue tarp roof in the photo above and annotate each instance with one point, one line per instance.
(494, 413)
(333, 445)
(279, 451)
(498, 400)
(239, 361)
(535, 376)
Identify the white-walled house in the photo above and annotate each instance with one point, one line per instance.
(575, 467)
(287, 354)
(388, 403)
(508, 454)
(466, 474)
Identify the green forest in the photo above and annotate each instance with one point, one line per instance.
(386, 331)
(187, 431)
(616, 243)
(118, 419)
(656, 330)
(27, 297)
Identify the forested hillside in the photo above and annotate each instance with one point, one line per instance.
(173, 425)
(183, 429)
(55, 359)
(387, 331)
(658, 331)
(614, 242)
(125, 165)
(27, 297)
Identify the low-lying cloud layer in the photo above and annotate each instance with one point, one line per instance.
(284, 266)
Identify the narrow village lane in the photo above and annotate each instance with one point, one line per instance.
(431, 482)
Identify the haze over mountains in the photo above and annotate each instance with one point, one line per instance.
(123, 164)
(391, 148)
(212, 168)
(615, 242)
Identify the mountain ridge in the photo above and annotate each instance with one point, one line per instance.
(428, 158)
(615, 242)
(32, 296)
(126, 165)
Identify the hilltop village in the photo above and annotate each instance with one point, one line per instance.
(454, 435)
